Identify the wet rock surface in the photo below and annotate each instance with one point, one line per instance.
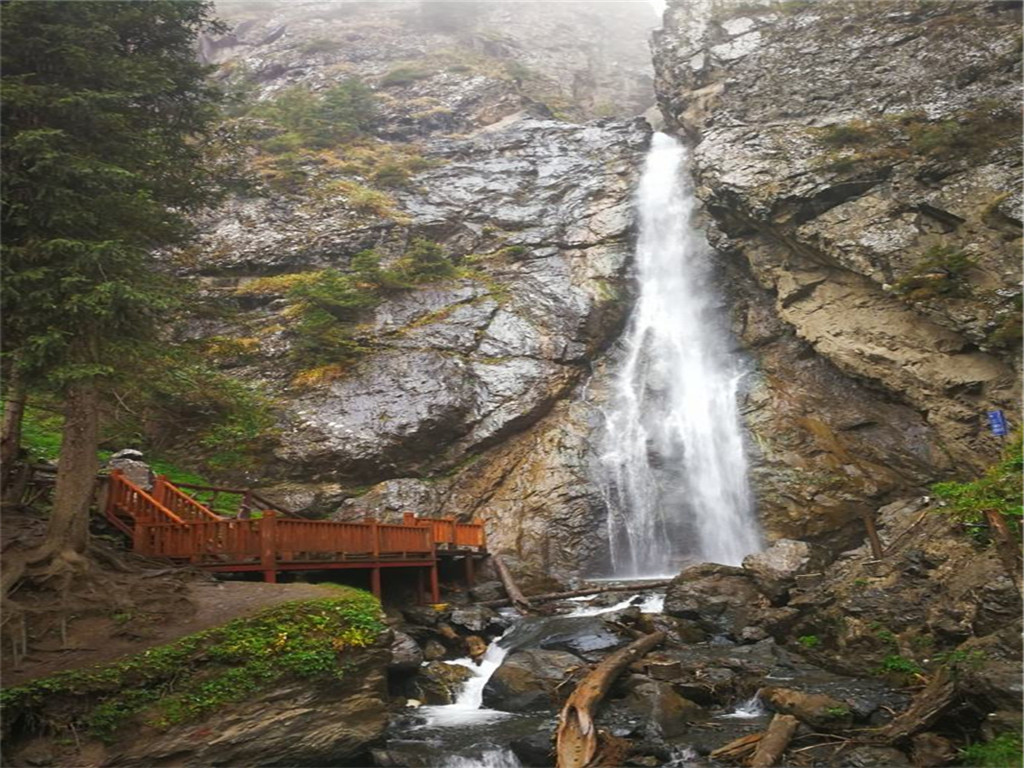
(826, 153)
(531, 681)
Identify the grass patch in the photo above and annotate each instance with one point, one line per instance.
(1004, 751)
(187, 679)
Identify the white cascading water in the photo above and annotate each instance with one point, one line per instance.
(467, 706)
(673, 463)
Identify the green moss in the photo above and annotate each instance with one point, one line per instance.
(809, 641)
(1004, 751)
(405, 74)
(189, 678)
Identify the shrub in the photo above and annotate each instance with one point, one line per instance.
(809, 641)
(425, 261)
(998, 489)
(846, 134)
(942, 272)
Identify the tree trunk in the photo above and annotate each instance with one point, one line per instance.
(10, 441)
(521, 603)
(640, 587)
(576, 740)
(76, 469)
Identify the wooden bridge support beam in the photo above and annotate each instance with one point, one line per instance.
(268, 549)
(470, 571)
(375, 582)
(435, 587)
(421, 587)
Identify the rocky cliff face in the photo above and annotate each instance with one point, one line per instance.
(459, 399)
(861, 171)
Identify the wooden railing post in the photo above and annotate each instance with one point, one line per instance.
(375, 537)
(160, 489)
(268, 546)
(408, 518)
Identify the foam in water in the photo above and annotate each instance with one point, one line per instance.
(653, 603)
(673, 462)
(748, 709)
(496, 757)
(467, 707)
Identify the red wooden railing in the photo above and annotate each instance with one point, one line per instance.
(181, 504)
(447, 532)
(290, 541)
(170, 523)
(128, 506)
(240, 500)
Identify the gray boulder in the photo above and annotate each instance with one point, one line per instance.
(776, 568)
(406, 655)
(720, 598)
(527, 681)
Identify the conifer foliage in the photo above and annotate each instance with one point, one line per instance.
(105, 108)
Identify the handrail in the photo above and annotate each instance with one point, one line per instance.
(125, 495)
(250, 500)
(173, 498)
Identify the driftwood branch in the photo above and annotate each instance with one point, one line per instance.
(576, 740)
(739, 749)
(774, 741)
(926, 707)
(518, 600)
(639, 587)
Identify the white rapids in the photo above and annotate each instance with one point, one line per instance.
(673, 463)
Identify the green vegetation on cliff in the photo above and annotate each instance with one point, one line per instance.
(182, 681)
(999, 490)
(323, 307)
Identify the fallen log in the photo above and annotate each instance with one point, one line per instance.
(582, 593)
(576, 740)
(925, 708)
(515, 596)
(774, 741)
(739, 749)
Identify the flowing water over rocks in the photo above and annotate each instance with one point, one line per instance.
(673, 452)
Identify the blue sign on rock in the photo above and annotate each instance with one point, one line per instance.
(997, 423)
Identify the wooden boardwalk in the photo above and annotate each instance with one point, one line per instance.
(168, 522)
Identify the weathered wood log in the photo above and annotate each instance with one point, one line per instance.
(576, 739)
(518, 600)
(739, 749)
(582, 592)
(774, 741)
(925, 708)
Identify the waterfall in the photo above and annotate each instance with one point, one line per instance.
(673, 465)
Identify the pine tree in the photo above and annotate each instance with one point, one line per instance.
(105, 104)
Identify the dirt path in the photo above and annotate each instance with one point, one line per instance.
(96, 640)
